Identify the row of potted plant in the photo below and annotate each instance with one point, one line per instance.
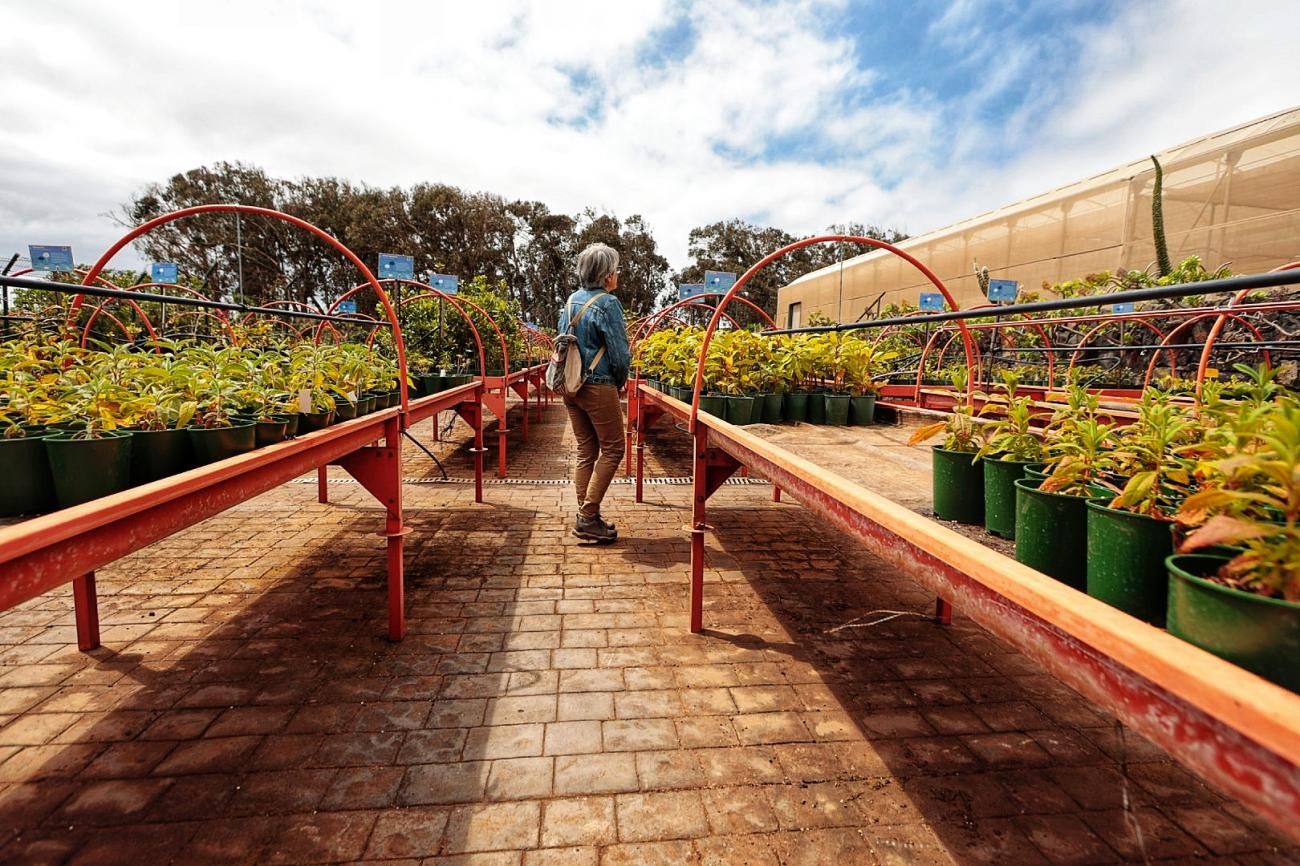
(750, 378)
(1188, 518)
(79, 423)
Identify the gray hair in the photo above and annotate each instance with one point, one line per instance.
(595, 263)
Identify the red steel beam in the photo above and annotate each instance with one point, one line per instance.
(48, 551)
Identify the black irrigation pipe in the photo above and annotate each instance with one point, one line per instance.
(1208, 287)
(1262, 346)
(101, 292)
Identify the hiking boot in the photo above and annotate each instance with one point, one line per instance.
(594, 529)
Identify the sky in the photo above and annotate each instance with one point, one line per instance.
(794, 113)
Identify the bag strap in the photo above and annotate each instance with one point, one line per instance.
(573, 322)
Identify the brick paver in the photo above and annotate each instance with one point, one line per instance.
(548, 706)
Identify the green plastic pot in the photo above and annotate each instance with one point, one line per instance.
(817, 407)
(795, 406)
(211, 444)
(86, 469)
(430, 383)
(771, 412)
(740, 410)
(1036, 470)
(837, 409)
(1257, 633)
(682, 394)
(310, 422)
(1052, 532)
(345, 410)
(957, 486)
(270, 432)
(25, 468)
(714, 404)
(1126, 561)
(862, 410)
(290, 423)
(158, 453)
(1000, 477)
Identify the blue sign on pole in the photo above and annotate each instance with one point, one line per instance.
(47, 258)
(395, 267)
(445, 283)
(163, 272)
(1129, 307)
(932, 302)
(346, 307)
(1003, 291)
(690, 290)
(719, 281)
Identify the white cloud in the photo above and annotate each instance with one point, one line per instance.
(500, 97)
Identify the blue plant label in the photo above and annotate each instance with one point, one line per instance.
(932, 302)
(690, 290)
(445, 283)
(47, 258)
(1128, 307)
(345, 307)
(163, 272)
(719, 281)
(395, 267)
(1003, 291)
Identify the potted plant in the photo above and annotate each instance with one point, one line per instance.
(28, 487)
(861, 364)
(91, 456)
(1129, 534)
(1051, 514)
(1011, 446)
(160, 443)
(957, 477)
(216, 383)
(1246, 608)
(793, 361)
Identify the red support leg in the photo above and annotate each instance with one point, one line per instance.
(86, 606)
(395, 532)
(942, 611)
(640, 449)
(322, 485)
(776, 493)
(436, 434)
(698, 526)
(524, 396)
(501, 450)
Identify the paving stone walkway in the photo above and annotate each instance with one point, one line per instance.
(548, 705)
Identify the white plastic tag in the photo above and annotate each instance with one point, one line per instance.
(304, 400)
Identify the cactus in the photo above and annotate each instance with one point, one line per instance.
(1158, 222)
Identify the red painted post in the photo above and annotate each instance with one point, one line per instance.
(478, 452)
(86, 606)
(640, 446)
(633, 411)
(394, 531)
(436, 434)
(322, 485)
(776, 493)
(698, 526)
(942, 611)
(501, 448)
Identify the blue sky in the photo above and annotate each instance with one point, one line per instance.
(800, 113)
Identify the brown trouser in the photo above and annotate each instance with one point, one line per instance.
(597, 419)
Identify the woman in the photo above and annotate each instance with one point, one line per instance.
(596, 319)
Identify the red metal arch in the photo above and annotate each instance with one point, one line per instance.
(1203, 365)
(99, 310)
(789, 248)
(1074, 357)
(371, 280)
(651, 321)
(455, 301)
(1217, 328)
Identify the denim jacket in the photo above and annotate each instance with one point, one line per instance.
(601, 325)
